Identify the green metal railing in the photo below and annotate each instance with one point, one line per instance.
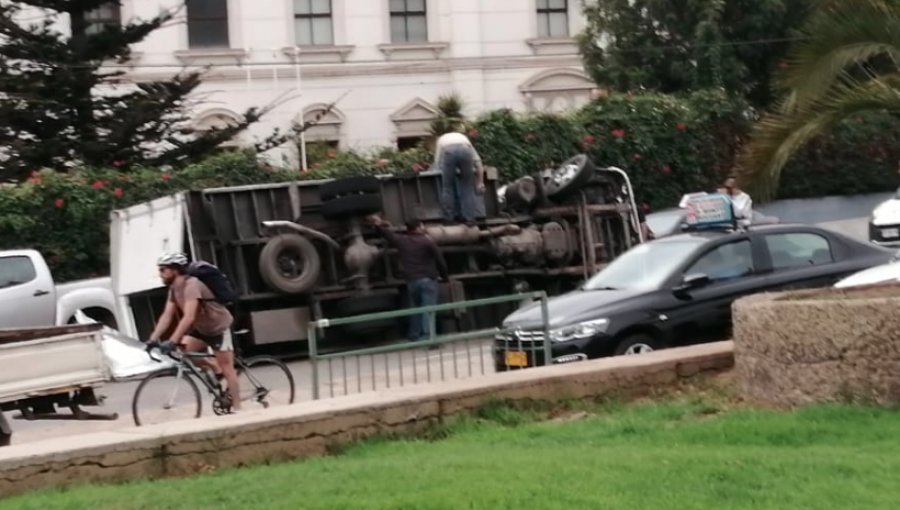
(433, 340)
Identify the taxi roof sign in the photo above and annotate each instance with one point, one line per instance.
(707, 210)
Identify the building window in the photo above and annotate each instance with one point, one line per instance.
(207, 23)
(553, 18)
(408, 21)
(312, 23)
(107, 15)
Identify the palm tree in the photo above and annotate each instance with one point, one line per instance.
(846, 60)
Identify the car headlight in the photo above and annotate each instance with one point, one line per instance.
(577, 331)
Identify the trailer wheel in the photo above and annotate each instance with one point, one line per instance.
(290, 263)
(350, 206)
(568, 177)
(5, 431)
(362, 185)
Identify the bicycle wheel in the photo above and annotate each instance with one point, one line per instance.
(163, 397)
(265, 381)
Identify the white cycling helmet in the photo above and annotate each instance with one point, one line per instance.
(172, 259)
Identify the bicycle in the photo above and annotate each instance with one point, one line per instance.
(179, 381)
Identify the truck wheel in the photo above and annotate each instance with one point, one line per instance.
(362, 185)
(568, 177)
(290, 263)
(637, 344)
(5, 431)
(367, 303)
(350, 206)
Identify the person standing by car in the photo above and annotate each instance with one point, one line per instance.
(462, 176)
(200, 321)
(422, 264)
(741, 202)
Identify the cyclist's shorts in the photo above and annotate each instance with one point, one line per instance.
(214, 341)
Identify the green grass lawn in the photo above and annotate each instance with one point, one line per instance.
(681, 454)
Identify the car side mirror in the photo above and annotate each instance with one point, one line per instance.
(692, 282)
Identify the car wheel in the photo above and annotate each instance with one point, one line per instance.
(568, 177)
(350, 206)
(637, 344)
(362, 185)
(290, 263)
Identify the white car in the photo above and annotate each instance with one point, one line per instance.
(884, 226)
(884, 273)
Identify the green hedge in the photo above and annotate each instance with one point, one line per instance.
(668, 145)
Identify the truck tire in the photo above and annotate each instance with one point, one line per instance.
(350, 206)
(289, 263)
(568, 177)
(362, 185)
(367, 303)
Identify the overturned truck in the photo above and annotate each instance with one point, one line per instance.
(301, 251)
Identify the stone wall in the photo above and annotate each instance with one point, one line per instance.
(826, 345)
(316, 428)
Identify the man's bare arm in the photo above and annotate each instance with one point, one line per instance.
(191, 306)
(165, 321)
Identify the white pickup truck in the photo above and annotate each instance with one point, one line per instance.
(29, 297)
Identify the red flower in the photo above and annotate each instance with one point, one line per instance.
(416, 167)
(681, 126)
(473, 133)
(118, 163)
(59, 203)
(666, 169)
(588, 139)
(118, 192)
(166, 177)
(530, 137)
(98, 185)
(618, 133)
(381, 163)
(637, 157)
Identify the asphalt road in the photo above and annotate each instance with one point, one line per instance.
(338, 377)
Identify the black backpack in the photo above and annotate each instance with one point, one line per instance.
(217, 281)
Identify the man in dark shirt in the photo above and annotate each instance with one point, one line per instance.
(422, 264)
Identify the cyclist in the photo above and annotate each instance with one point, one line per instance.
(200, 321)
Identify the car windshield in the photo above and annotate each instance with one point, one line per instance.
(644, 267)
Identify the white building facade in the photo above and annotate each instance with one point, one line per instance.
(387, 61)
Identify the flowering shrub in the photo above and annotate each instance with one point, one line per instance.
(667, 145)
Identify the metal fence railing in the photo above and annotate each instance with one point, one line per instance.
(438, 358)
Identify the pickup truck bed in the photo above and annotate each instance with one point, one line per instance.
(49, 361)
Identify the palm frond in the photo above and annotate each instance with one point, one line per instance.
(839, 36)
(777, 136)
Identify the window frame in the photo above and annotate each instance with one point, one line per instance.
(312, 16)
(96, 23)
(545, 13)
(772, 262)
(753, 270)
(226, 21)
(34, 271)
(406, 14)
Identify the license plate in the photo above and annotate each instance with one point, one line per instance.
(890, 233)
(516, 359)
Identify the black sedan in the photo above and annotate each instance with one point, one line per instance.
(678, 290)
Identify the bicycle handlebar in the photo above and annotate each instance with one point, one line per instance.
(164, 347)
